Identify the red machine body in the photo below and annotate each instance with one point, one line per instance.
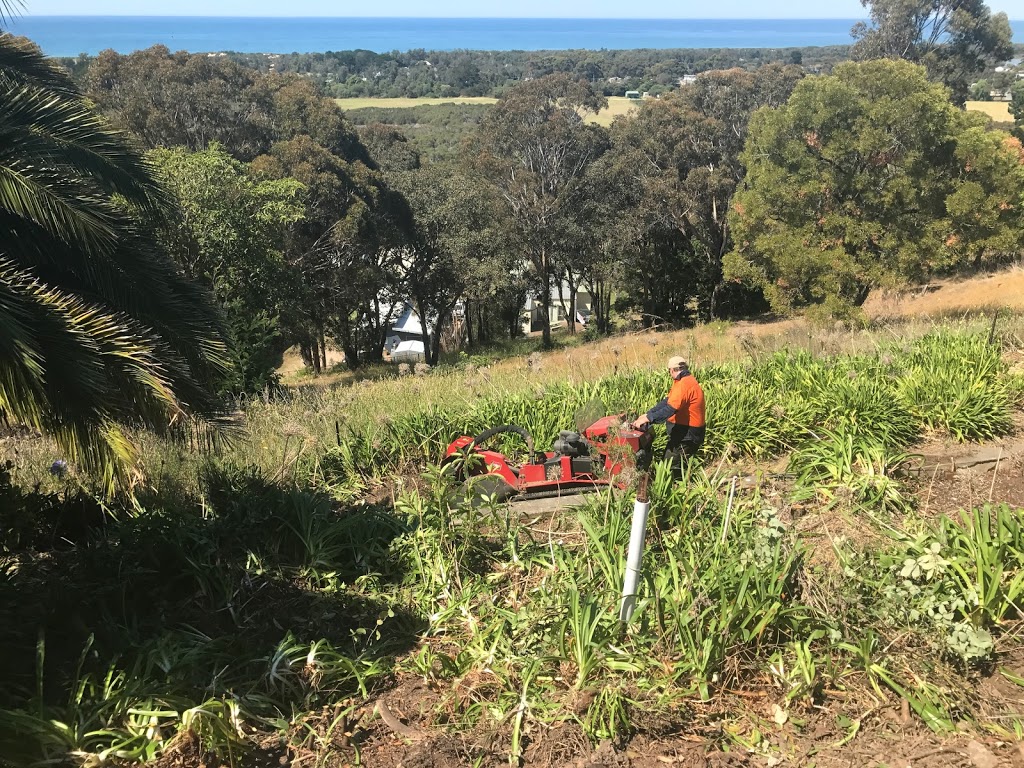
(578, 462)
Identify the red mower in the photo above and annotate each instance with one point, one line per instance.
(597, 456)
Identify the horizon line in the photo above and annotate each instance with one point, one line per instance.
(18, 17)
(428, 18)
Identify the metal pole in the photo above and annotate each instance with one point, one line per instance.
(634, 557)
(728, 509)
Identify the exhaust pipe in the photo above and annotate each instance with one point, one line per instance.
(635, 554)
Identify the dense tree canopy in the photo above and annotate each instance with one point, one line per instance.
(534, 147)
(452, 253)
(231, 237)
(331, 228)
(677, 163)
(865, 178)
(346, 248)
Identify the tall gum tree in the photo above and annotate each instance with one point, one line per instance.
(346, 249)
(676, 165)
(452, 246)
(534, 147)
(954, 39)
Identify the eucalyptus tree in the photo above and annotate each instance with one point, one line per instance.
(100, 332)
(534, 147)
(169, 99)
(452, 252)
(187, 99)
(676, 163)
(954, 39)
(346, 249)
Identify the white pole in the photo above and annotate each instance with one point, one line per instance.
(635, 554)
(728, 509)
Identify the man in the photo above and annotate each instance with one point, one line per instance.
(683, 414)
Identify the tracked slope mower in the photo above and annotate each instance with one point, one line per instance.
(606, 452)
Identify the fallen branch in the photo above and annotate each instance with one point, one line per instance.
(396, 725)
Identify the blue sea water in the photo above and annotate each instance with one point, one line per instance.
(71, 35)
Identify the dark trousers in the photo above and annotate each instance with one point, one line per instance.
(683, 444)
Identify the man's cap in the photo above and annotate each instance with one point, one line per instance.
(676, 362)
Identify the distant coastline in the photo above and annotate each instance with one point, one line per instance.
(72, 35)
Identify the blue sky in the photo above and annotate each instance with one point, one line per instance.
(651, 9)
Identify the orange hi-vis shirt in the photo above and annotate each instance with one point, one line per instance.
(687, 398)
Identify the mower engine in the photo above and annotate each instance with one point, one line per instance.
(577, 462)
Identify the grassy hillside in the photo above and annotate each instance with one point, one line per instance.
(840, 575)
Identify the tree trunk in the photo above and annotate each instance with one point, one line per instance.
(713, 309)
(600, 302)
(861, 295)
(483, 337)
(428, 349)
(570, 313)
(443, 317)
(351, 356)
(545, 299)
(468, 317)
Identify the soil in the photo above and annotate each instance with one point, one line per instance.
(886, 738)
(954, 476)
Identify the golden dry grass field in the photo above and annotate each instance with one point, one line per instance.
(403, 103)
(999, 111)
(617, 105)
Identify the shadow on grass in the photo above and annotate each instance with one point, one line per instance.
(223, 583)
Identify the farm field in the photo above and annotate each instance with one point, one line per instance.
(617, 105)
(997, 110)
(318, 592)
(401, 103)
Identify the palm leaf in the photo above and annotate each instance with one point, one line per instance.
(23, 63)
(100, 332)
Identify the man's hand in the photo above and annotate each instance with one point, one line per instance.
(641, 422)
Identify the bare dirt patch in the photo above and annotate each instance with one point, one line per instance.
(954, 476)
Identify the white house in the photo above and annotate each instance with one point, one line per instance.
(404, 342)
(533, 313)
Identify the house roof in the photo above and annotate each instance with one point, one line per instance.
(408, 321)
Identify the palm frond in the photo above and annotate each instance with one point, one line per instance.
(23, 63)
(75, 370)
(101, 333)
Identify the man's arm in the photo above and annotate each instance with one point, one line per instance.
(661, 411)
(656, 415)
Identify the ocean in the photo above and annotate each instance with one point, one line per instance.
(72, 35)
